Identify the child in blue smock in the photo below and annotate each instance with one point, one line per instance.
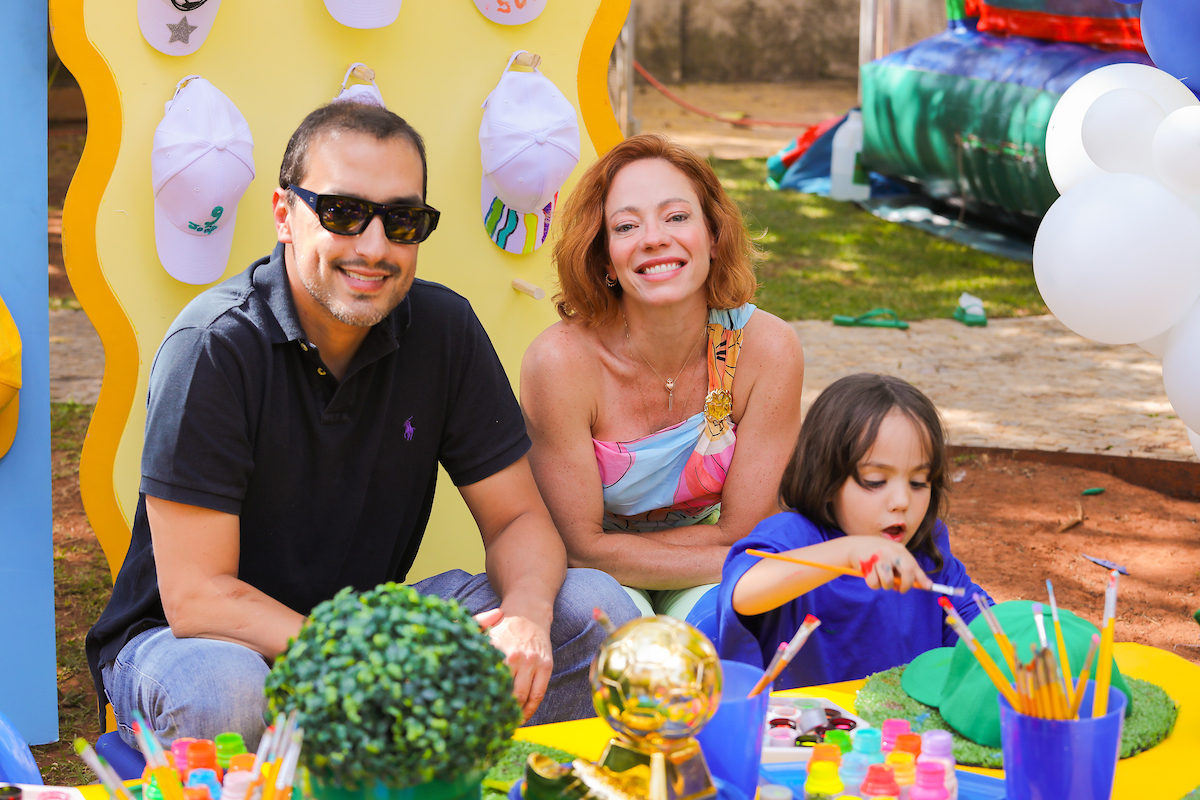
(867, 479)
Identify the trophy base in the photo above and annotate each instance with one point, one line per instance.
(687, 772)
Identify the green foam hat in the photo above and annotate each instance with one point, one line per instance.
(951, 679)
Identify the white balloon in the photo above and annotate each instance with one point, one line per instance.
(1116, 258)
(1065, 156)
(1176, 150)
(1194, 438)
(1156, 346)
(1118, 131)
(1181, 369)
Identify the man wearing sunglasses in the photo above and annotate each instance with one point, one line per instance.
(296, 417)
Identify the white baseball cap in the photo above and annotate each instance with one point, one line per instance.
(364, 13)
(202, 162)
(528, 144)
(510, 12)
(367, 93)
(176, 27)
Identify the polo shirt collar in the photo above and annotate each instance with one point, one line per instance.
(270, 278)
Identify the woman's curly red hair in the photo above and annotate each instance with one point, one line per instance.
(581, 252)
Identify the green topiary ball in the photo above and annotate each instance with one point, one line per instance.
(394, 686)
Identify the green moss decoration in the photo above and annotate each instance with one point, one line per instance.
(1153, 717)
(394, 686)
(511, 767)
(1194, 794)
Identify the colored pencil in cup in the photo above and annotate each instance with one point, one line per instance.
(1104, 665)
(1064, 660)
(981, 655)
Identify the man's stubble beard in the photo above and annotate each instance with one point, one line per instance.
(365, 318)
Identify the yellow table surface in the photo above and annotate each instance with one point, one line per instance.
(1166, 772)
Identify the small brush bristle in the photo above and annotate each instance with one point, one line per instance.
(1037, 608)
(810, 620)
(945, 603)
(1095, 638)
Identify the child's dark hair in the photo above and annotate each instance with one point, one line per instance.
(840, 429)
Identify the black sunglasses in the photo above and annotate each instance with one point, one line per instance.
(350, 216)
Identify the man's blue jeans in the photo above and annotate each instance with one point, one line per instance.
(203, 687)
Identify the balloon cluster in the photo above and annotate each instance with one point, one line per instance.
(1117, 257)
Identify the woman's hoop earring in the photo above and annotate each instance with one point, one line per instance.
(610, 281)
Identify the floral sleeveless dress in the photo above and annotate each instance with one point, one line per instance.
(674, 477)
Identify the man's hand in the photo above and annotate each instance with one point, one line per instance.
(527, 652)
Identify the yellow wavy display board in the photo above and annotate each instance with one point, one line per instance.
(277, 60)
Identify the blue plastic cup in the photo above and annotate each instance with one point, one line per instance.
(732, 739)
(1052, 759)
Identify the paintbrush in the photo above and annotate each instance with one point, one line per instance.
(1077, 698)
(1064, 661)
(819, 565)
(604, 621)
(106, 774)
(784, 655)
(993, 623)
(152, 750)
(1054, 684)
(865, 567)
(1104, 665)
(762, 682)
(982, 655)
(1040, 623)
(286, 773)
(262, 764)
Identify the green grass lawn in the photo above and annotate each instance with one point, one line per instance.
(825, 257)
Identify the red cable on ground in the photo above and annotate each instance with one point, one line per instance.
(744, 121)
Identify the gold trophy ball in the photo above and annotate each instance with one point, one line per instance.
(657, 681)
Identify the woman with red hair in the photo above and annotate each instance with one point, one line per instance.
(652, 459)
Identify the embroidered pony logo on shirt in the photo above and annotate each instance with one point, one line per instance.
(409, 430)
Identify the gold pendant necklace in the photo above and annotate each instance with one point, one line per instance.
(670, 384)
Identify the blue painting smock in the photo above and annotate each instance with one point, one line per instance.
(862, 631)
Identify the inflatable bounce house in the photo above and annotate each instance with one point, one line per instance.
(964, 114)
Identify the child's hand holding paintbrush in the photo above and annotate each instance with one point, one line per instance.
(878, 573)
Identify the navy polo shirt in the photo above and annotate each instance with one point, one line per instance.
(333, 481)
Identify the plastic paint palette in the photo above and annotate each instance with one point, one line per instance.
(790, 717)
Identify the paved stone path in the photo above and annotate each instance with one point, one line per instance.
(1028, 384)
(76, 358)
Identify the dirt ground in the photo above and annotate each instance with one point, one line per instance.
(1005, 516)
(798, 104)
